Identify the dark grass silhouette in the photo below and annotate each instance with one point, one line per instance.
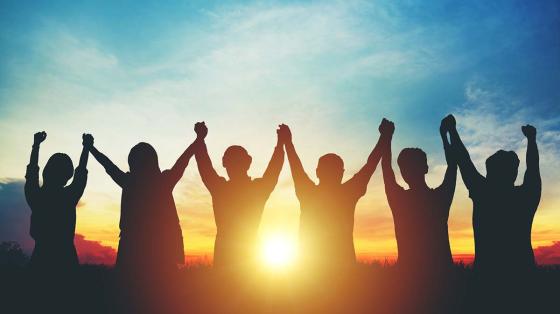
(327, 208)
(367, 288)
(238, 203)
(420, 213)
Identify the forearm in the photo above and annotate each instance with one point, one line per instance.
(532, 158)
(185, 157)
(205, 167)
(457, 144)
(376, 153)
(449, 156)
(293, 159)
(202, 158)
(276, 161)
(101, 158)
(532, 154)
(34, 158)
(386, 163)
(83, 158)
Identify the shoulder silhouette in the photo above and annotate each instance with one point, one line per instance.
(327, 208)
(420, 213)
(53, 206)
(238, 203)
(151, 241)
(502, 212)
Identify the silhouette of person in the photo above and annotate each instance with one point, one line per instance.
(327, 209)
(502, 212)
(151, 240)
(238, 202)
(420, 213)
(53, 206)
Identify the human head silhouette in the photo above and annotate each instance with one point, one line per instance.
(143, 159)
(502, 167)
(58, 170)
(414, 166)
(330, 169)
(237, 161)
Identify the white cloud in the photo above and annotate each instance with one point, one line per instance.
(491, 119)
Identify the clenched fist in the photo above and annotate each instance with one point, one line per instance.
(39, 137)
(529, 131)
(284, 134)
(448, 123)
(87, 140)
(201, 130)
(386, 128)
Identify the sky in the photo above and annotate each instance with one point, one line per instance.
(131, 71)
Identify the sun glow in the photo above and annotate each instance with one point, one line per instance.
(278, 251)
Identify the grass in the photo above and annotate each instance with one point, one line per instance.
(367, 288)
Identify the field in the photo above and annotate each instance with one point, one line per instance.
(371, 288)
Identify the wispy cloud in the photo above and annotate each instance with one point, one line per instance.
(330, 69)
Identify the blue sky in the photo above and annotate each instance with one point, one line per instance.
(139, 70)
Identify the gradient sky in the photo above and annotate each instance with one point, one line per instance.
(130, 71)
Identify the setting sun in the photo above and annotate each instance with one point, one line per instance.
(278, 251)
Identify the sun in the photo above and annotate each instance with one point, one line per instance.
(278, 251)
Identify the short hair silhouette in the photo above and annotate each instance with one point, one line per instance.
(413, 164)
(143, 159)
(58, 170)
(236, 159)
(330, 168)
(502, 167)
(238, 203)
(420, 213)
(503, 212)
(327, 209)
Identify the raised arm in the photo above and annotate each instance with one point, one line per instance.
(450, 178)
(80, 174)
(360, 180)
(31, 187)
(112, 170)
(387, 129)
(207, 172)
(302, 182)
(270, 176)
(470, 175)
(87, 144)
(176, 172)
(532, 174)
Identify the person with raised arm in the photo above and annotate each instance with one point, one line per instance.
(239, 202)
(502, 212)
(327, 208)
(53, 206)
(151, 241)
(420, 213)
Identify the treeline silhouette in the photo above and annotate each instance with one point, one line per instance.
(151, 243)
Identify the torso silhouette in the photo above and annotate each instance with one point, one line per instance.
(53, 219)
(150, 232)
(502, 220)
(238, 207)
(327, 221)
(420, 218)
